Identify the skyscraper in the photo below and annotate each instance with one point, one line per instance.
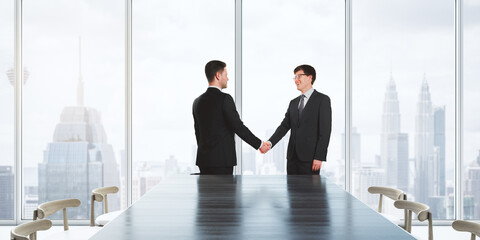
(472, 185)
(171, 166)
(439, 143)
(6, 192)
(78, 159)
(363, 178)
(424, 135)
(249, 163)
(394, 145)
(355, 145)
(30, 191)
(277, 154)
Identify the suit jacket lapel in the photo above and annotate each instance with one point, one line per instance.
(309, 103)
(295, 110)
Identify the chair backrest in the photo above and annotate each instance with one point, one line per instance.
(27, 231)
(467, 226)
(392, 193)
(46, 209)
(99, 195)
(422, 211)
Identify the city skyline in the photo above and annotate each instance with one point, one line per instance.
(391, 125)
(392, 165)
(79, 157)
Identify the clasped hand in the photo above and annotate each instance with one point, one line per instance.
(265, 147)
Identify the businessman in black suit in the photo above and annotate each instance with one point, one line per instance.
(309, 118)
(216, 121)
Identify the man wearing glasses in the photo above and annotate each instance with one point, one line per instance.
(216, 123)
(309, 117)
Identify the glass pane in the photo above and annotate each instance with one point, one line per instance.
(7, 77)
(73, 102)
(291, 34)
(404, 100)
(172, 44)
(471, 149)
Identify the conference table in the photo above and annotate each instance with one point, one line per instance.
(249, 207)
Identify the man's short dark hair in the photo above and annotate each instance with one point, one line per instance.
(212, 68)
(308, 70)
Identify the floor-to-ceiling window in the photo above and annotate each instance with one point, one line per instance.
(277, 37)
(74, 93)
(471, 98)
(171, 45)
(7, 78)
(403, 101)
(73, 101)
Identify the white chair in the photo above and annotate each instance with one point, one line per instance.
(467, 226)
(46, 209)
(394, 194)
(99, 195)
(422, 211)
(27, 231)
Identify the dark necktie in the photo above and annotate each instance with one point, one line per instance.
(301, 106)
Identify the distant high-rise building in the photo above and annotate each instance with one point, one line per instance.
(6, 192)
(78, 160)
(171, 166)
(438, 206)
(146, 175)
(468, 207)
(249, 164)
(277, 154)
(394, 145)
(30, 191)
(30, 205)
(472, 185)
(424, 136)
(439, 143)
(355, 146)
(363, 178)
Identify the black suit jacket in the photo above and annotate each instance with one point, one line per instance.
(216, 120)
(310, 134)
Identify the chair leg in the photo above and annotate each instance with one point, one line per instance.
(409, 221)
(92, 211)
(380, 204)
(33, 236)
(106, 204)
(430, 227)
(65, 219)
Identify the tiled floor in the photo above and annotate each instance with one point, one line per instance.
(421, 232)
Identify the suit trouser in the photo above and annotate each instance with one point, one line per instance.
(297, 167)
(216, 170)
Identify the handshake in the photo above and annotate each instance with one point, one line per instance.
(266, 146)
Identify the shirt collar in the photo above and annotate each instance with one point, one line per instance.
(215, 87)
(308, 93)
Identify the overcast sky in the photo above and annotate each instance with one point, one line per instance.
(172, 43)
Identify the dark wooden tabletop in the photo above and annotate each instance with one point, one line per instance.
(249, 207)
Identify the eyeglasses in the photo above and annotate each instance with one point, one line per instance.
(298, 76)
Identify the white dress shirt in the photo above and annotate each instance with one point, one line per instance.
(307, 94)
